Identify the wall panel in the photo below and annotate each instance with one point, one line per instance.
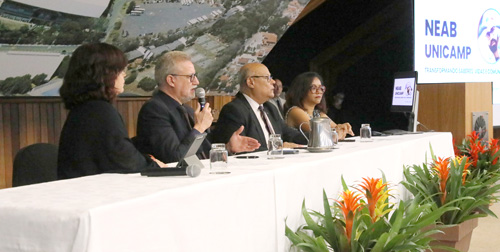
(43, 123)
(449, 106)
(3, 135)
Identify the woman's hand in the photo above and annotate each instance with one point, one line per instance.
(344, 129)
(292, 145)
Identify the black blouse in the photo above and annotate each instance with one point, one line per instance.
(94, 140)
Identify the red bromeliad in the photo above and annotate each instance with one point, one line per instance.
(442, 170)
(494, 148)
(349, 204)
(473, 137)
(373, 191)
(455, 148)
(476, 149)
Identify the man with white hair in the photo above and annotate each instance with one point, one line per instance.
(166, 126)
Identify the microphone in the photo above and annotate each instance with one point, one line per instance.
(191, 171)
(200, 93)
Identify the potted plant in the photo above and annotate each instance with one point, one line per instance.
(483, 155)
(448, 182)
(364, 220)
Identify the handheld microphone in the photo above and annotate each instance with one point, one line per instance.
(200, 93)
(191, 171)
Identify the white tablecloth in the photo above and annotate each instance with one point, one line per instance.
(242, 211)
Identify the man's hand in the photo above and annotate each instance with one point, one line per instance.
(160, 163)
(238, 143)
(203, 119)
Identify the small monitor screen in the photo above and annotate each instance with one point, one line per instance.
(403, 93)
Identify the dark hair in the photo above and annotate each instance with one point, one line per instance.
(92, 71)
(299, 89)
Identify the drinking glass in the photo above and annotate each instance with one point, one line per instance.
(365, 133)
(335, 137)
(275, 147)
(218, 159)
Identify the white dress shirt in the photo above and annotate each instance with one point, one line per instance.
(255, 108)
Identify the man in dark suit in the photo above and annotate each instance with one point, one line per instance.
(251, 108)
(277, 101)
(166, 126)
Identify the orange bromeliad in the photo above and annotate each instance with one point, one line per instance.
(349, 204)
(442, 170)
(373, 189)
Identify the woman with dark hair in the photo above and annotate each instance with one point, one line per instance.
(305, 99)
(94, 139)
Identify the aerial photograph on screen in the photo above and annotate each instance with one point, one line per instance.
(38, 37)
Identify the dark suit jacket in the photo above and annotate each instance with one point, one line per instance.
(94, 140)
(162, 130)
(238, 112)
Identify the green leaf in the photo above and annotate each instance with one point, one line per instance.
(344, 185)
(328, 220)
(379, 246)
(311, 224)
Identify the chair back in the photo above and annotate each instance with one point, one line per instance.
(36, 163)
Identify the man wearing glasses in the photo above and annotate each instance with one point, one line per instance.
(167, 126)
(251, 108)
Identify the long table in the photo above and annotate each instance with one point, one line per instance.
(242, 211)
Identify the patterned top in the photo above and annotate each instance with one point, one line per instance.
(315, 113)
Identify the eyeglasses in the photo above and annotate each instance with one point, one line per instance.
(315, 89)
(267, 77)
(191, 76)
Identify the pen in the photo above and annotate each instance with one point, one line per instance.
(247, 157)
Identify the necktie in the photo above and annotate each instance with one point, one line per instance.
(190, 123)
(269, 127)
(187, 118)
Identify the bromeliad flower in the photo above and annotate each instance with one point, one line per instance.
(374, 191)
(473, 137)
(494, 148)
(348, 204)
(455, 148)
(442, 171)
(457, 161)
(476, 149)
